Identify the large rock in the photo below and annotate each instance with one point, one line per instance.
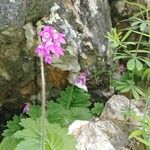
(17, 12)
(110, 131)
(85, 24)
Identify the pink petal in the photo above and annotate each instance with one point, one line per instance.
(49, 43)
(59, 50)
(26, 108)
(40, 50)
(48, 59)
(62, 40)
(55, 36)
(44, 39)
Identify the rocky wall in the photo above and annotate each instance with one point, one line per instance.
(85, 23)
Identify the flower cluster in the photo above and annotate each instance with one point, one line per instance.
(50, 45)
(81, 81)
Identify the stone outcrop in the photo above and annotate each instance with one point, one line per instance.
(85, 24)
(110, 131)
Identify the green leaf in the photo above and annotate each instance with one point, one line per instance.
(34, 111)
(98, 108)
(143, 141)
(74, 97)
(139, 65)
(146, 73)
(126, 89)
(56, 113)
(29, 144)
(78, 113)
(140, 51)
(135, 23)
(132, 114)
(141, 33)
(131, 64)
(136, 4)
(126, 35)
(12, 126)
(135, 94)
(120, 87)
(139, 91)
(146, 61)
(56, 137)
(31, 129)
(129, 43)
(143, 26)
(9, 143)
(136, 133)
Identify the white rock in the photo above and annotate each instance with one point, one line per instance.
(76, 125)
(109, 132)
(89, 136)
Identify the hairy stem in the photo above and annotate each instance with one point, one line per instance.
(43, 104)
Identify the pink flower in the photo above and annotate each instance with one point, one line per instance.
(59, 38)
(48, 59)
(50, 45)
(25, 108)
(47, 33)
(56, 50)
(40, 50)
(81, 81)
(122, 68)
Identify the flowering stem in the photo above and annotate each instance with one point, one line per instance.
(43, 104)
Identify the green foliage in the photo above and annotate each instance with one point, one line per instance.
(97, 109)
(74, 97)
(131, 46)
(114, 38)
(71, 105)
(56, 113)
(26, 133)
(128, 86)
(146, 74)
(9, 143)
(12, 126)
(141, 134)
(34, 111)
(30, 136)
(134, 53)
(56, 137)
(134, 63)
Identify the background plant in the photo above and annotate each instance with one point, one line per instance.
(134, 53)
(72, 104)
(29, 137)
(131, 47)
